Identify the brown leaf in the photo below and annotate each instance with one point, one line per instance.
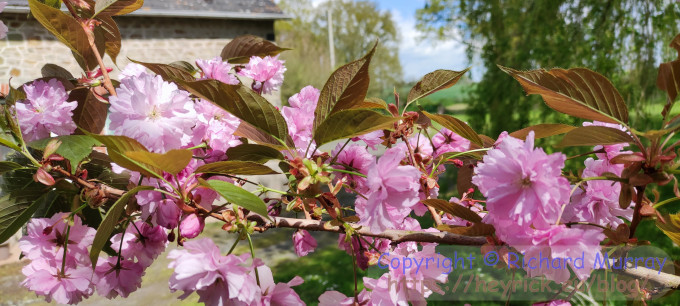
(543, 130)
(477, 229)
(112, 40)
(456, 126)
(594, 136)
(453, 209)
(433, 82)
(640, 179)
(627, 158)
(668, 78)
(90, 114)
(240, 49)
(464, 181)
(626, 195)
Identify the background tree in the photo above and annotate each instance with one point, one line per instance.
(625, 40)
(357, 26)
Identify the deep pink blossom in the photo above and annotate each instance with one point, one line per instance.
(45, 238)
(215, 127)
(191, 226)
(217, 279)
(300, 116)
(115, 278)
(45, 278)
(391, 187)
(217, 69)
(267, 72)
(353, 158)
(277, 294)
(522, 183)
(45, 110)
(154, 112)
(448, 141)
(141, 241)
(3, 27)
(304, 242)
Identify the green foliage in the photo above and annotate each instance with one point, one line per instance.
(357, 26)
(18, 207)
(237, 196)
(117, 148)
(619, 39)
(75, 148)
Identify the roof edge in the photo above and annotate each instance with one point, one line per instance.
(178, 14)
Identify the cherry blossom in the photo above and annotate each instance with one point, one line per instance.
(114, 277)
(304, 242)
(45, 110)
(45, 277)
(141, 241)
(267, 72)
(217, 69)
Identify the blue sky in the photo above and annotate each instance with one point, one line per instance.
(421, 57)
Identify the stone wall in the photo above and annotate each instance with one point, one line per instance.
(28, 45)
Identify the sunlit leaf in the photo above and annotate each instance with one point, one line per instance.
(350, 123)
(373, 103)
(346, 88)
(253, 152)
(594, 136)
(578, 92)
(118, 146)
(111, 34)
(252, 133)
(109, 223)
(238, 196)
(671, 227)
(173, 161)
(433, 82)
(116, 7)
(17, 208)
(456, 126)
(240, 49)
(543, 130)
(236, 167)
(453, 209)
(73, 147)
(668, 79)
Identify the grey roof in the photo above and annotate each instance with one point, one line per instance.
(222, 9)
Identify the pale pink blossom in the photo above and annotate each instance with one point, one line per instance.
(3, 27)
(333, 298)
(353, 158)
(191, 225)
(141, 241)
(300, 116)
(277, 294)
(114, 278)
(154, 112)
(448, 141)
(304, 242)
(217, 69)
(45, 110)
(217, 279)
(522, 183)
(371, 139)
(391, 187)
(267, 72)
(132, 70)
(45, 238)
(553, 303)
(216, 127)
(45, 278)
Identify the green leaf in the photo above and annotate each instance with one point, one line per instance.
(594, 136)
(236, 167)
(240, 49)
(456, 126)
(16, 209)
(454, 209)
(252, 152)
(350, 123)
(90, 115)
(52, 3)
(173, 161)
(64, 27)
(55, 71)
(167, 72)
(346, 88)
(578, 92)
(242, 102)
(668, 79)
(543, 130)
(433, 82)
(116, 7)
(6, 166)
(670, 225)
(118, 146)
(112, 40)
(237, 196)
(73, 147)
(109, 223)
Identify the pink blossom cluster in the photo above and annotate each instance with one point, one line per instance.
(266, 72)
(45, 110)
(300, 118)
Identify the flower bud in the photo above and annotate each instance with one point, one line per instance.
(191, 226)
(43, 177)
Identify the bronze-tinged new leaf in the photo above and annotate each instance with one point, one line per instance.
(253, 152)
(65, 28)
(345, 89)
(668, 79)
(477, 229)
(670, 225)
(351, 123)
(578, 92)
(594, 136)
(433, 82)
(109, 223)
(627, 158)
(167, 72)
(252, 133)
(118, 146)
(543, 130)
(173, 161)
(373, 103)
(464, 180)
(240, 49)
(243, 103)
(112, 40)
(55, 71)
(456, 126)
(236, 167)
(104, 8)
(626, 196)
(90, 115)
(453, 209)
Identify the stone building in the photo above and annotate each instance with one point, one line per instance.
(162, 31)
